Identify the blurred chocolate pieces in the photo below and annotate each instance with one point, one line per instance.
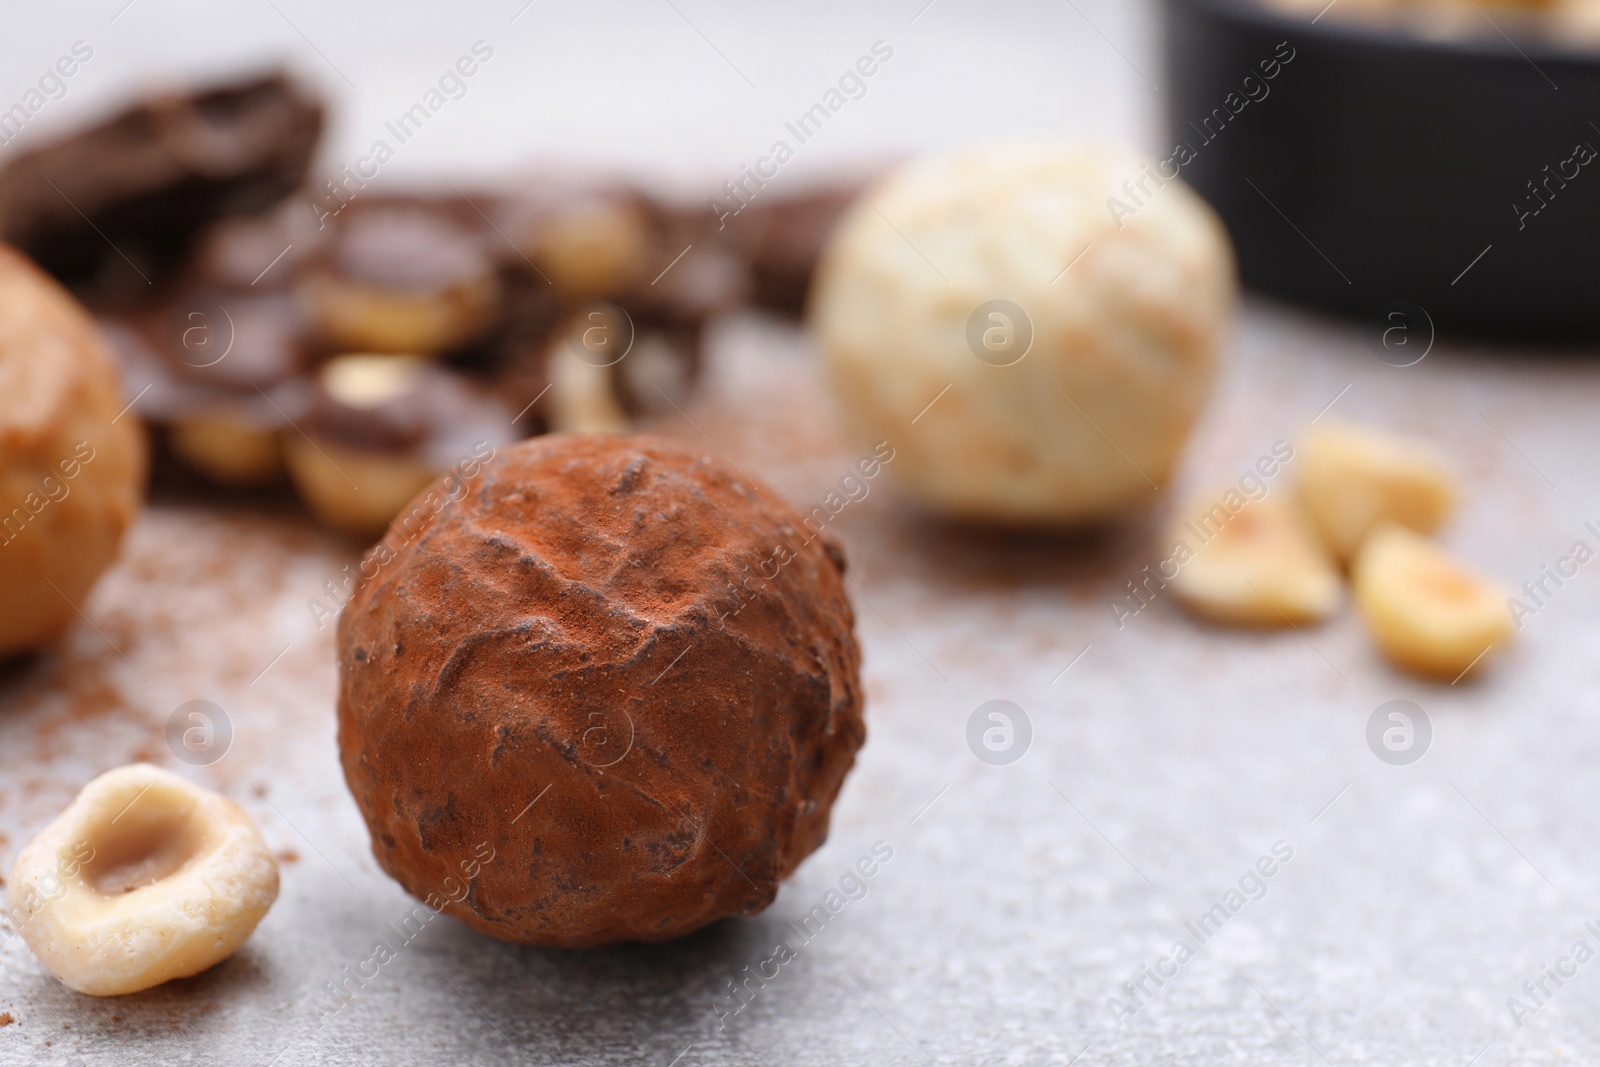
(116, 206)
(782, 240)
(355, 354)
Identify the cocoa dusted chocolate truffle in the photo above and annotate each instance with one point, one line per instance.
(607, 691)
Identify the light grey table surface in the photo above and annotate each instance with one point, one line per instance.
(1020, 898)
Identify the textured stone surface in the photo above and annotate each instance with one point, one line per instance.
(1015, 904)
(612, 688)
(1007, 916)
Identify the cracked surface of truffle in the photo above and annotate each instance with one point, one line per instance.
(608, 694)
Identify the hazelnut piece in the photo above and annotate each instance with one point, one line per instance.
(379, 429)
(227, 448)
(145, 877)
(1427, 612)
(1353, 479)
(592, 246)
(1259, 566)
(402, 280)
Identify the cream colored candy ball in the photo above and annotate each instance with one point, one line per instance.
(145, 877)
(1069, 402)
(71, 471)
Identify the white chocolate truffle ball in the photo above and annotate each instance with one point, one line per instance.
(1033, 336)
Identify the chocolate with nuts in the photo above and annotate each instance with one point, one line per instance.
(144, 182)
(579, 301)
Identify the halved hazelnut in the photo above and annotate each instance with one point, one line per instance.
(1426, 611)
(359, 487)
(378, 429)
(583, 373)
(227, 448)
(593, 246)
(351, 489)
(1353, 479)
(145, 877)
(1262, 566)
(402, 280)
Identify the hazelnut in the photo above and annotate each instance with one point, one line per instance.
(616, 666)
(352, 490)
(215, 368)
(1258, 566)
(227, 447)
(592, 246)
(402, 280)
(583, 375)
(583, 397)
(145, 877)
(378, 430)
(1353, 479)
(72, 461)
(1426, 611)
(1034, 356)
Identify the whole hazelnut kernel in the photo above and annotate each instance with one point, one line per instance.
(145, 877)
(608, 694)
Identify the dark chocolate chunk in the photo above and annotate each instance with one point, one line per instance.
(125, 198)
(782, 240)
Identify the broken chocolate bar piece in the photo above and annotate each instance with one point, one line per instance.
(257, 252)
(116, 207)
(214, 367)
(782, 240)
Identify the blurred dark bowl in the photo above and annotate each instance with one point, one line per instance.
(1377, 170)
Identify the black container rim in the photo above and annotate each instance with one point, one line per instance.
(1524, 50)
